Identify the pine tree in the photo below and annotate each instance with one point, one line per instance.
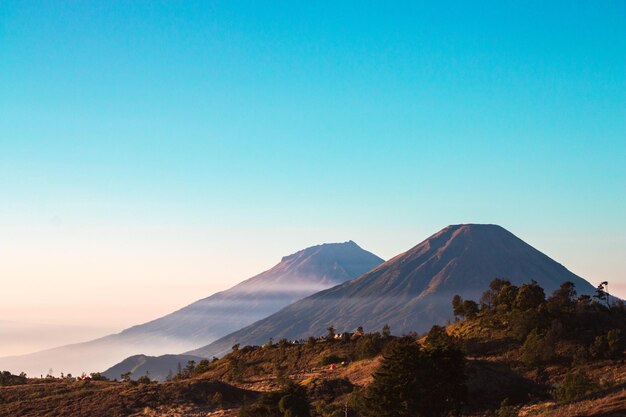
(414, 382)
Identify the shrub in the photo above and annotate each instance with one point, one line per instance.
(217, 400)
(203, 366)
(145, 379)
(7, 378)
(581, 356)
(292, 401)
(615, 343)
(438, 337)
(536, 349)
(575, 386)
(332, 358)
(506, 410)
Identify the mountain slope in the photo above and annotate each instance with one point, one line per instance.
(296, 276)
(412, 291)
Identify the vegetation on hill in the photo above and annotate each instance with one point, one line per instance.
(7, 379)
(513, 352)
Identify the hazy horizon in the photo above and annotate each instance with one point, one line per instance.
(154, 153)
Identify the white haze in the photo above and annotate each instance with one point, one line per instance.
(25, 337)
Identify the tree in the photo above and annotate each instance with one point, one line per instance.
(125, 377)
(489, 297)
(609, 346)
(203, 366)
(191, 365)
(330, 335)
(415, 382)
(236, 368)
(614, 343)
(529, 296)
(457, 306)
(386, 331)
(368, 346)
(506, 296)
(565, 294)
(562, 302)
(470, 309)
(602, 294)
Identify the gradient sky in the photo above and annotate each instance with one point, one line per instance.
(152, 152)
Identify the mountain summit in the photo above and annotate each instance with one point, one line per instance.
(295, 277)
(413, 290)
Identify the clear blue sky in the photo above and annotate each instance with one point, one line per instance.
(133, 134)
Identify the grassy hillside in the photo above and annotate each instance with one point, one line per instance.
(519, 354)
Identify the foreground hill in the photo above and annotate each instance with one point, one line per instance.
(519, 354)
(294, 277)
(412, 291)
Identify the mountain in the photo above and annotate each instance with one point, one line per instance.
(412, 291)
(294, 277)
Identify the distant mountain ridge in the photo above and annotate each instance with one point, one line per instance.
(413, 290)
(296, 276)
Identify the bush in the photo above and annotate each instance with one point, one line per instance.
(615, 343)
(536, 349)
(329, 410)
(203, 366)
(144, 379)
(217, 400)
(506, 410)
(331, 359)
(438, 337)
(7, 378)
(581, 356)
(609, 346)
(292, 401)
(575, 386)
